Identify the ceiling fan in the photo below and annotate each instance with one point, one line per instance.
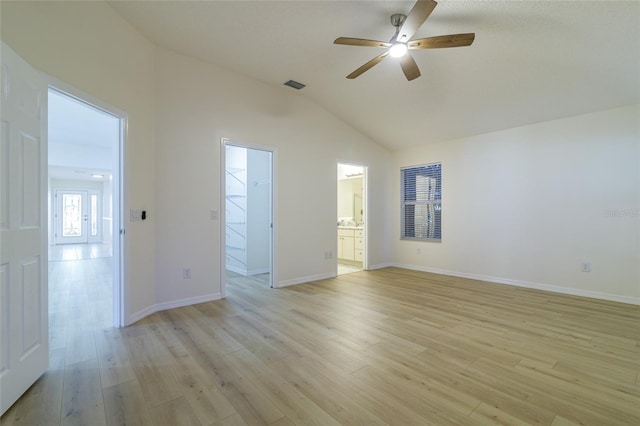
(400, 43)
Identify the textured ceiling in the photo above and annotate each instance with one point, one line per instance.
(531, 61)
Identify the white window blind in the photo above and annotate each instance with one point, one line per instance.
(422, 202)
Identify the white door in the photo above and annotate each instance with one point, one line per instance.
(24, 340)
(71, 216)
(77, 216)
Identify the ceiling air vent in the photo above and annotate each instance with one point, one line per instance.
(295, 84)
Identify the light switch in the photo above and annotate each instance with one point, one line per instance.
(135, 215)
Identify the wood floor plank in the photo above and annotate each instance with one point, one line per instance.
(82, 402)
(415, 395)
(552, 394)
(176, 412)
(285, 421)
(80, 345)
(233, 420)
(560, 386)
(125, 404)
(486, 414)
(374, 400)
(253, 406)
(113, 357)
(41, 403)
(410, 372)
(149, 359)
(293, 404)
(321, 390)
(57, 330)
(195, 328)
(561, 421)
(198, 388)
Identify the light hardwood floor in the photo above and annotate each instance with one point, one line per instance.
(390, 346)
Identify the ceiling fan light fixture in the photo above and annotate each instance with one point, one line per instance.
(406, 27)
(398, 50)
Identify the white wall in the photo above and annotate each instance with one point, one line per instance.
(88, 46)
(527, 206)
(196, 105)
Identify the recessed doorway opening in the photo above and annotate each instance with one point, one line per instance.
(352, 196)
(84, 148)
(248, 216)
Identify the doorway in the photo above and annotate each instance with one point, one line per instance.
(85, 140)
(247, 247)
(352, 196)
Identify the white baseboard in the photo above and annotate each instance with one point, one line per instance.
(237, 270)
(137, 316)
(257, 271)
(246, 273)
(171, 305)
(302, 280)
(381, 265)
(188, 301)
(526, 284)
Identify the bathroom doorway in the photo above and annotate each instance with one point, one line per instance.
(351, 214)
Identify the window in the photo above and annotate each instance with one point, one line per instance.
(94, 215)
(421, 191)
(71, 215)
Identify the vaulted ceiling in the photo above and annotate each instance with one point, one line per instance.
(531, 61)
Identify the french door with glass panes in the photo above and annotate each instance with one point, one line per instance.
(77, 216)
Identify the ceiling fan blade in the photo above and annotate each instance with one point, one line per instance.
(451, 40)
(368, 65)
(419, 13)
(349, 41)
(409, 67)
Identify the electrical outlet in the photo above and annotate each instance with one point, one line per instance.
(419, 250)
(586, 266)
(213, 214)
(186, 273)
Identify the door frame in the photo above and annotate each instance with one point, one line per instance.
(118, 232)
(223, 188)
(365, 213)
